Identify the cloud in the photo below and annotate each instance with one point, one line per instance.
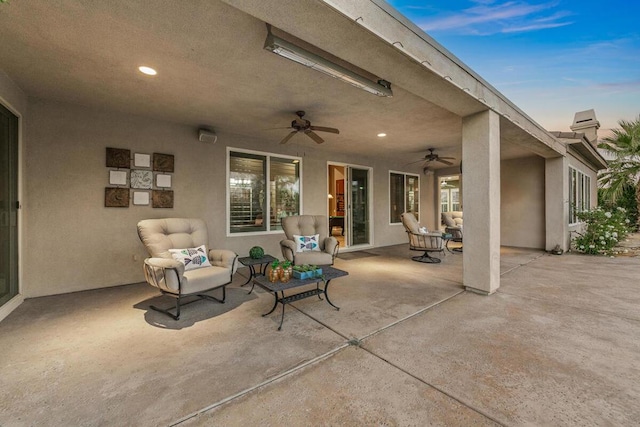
(533, 27)
(490, 17)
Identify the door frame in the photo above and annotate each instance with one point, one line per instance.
(347, 190)
(15, 302)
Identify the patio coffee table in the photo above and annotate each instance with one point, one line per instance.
(328, 273)
(252, 262)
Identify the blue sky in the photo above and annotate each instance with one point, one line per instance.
(551, 58)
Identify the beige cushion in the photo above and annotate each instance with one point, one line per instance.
(199, 279)
(160, 235)
(452, 219)
(313, 257)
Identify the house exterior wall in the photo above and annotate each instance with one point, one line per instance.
(523, 202)
(576, 163)
(74, 243)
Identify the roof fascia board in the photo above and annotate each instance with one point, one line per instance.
(578, 144)
(384, 21)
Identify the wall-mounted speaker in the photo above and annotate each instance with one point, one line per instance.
(207, 135)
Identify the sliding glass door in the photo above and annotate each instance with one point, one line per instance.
(8, 205)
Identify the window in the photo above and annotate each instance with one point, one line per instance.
(255, 204)
(579, 193)
(404, 195)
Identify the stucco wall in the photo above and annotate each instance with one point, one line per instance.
(523, 202)
(75, 243)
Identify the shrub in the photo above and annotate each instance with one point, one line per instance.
(603, 229)
(627, 200)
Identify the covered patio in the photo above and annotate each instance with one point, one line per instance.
(76, 87)
(408, 345)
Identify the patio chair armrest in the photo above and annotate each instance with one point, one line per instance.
(331, 246)
(288, 248)
(224, 258)
(433, 234)
(426, 240)
(156, 269)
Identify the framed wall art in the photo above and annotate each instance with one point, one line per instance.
(118, 158)
(141, 179)
(162, 162)
(162, 199)
(117, 197)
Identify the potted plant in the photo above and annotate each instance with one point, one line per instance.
(286, 271)
(274, 273)
(306, 271)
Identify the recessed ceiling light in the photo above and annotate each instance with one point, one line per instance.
(382, 135)
(147, 70)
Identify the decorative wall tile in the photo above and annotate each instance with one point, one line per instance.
(163, 162)
(141, 160)
(141, 198)
(116, 197)
(118, 158)
(163, 181)
(162, 199)
(141, 179)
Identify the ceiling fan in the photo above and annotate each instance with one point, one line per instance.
(433, 157)
(304, 126)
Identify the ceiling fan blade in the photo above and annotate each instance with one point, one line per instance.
(417, 161)
(448, 158)
(288, 137)
(444, 161)
(324, 129)
(313, 136)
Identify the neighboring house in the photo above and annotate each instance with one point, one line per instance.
(69, 79)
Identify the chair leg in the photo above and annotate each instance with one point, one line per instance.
(426, 258)
(167, 312)
(211, 298)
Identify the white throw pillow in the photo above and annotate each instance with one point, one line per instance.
(192, 258)
(307, 243)
(423, 230)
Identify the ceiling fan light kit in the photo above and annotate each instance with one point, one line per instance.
(302, 56)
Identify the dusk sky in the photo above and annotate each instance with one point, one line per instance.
(551, 58)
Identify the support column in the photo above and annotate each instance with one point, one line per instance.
(556, 185)
(481, 198)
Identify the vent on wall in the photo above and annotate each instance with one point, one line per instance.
(207, 135)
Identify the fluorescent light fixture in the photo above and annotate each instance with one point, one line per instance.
(147, 70)
(382, 135)
(301, 56)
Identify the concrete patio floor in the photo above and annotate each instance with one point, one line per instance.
(558, 344)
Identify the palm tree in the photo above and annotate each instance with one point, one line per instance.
(624, 169)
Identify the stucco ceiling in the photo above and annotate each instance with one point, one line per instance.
(213, 70)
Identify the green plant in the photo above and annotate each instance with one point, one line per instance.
(256, 252)
(285, 264)
(624, 169)
(275, 264)
(626, 200)
(603, 230)
(305, 267)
